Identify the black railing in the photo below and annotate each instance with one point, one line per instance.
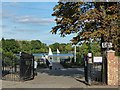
(93, 72)
(18, 68)
(26, 66)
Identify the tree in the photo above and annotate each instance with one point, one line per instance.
(14, 46)
(62, 47)
(10, 45)
(54, 46)
(36, 44)
(68, 47)
(91, 21)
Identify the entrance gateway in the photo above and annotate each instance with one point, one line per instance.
(93, 69)
(20, 68)
(26, 66)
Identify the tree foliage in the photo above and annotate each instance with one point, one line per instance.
(90, 21)
(63, 47)
(14, 46)
(11, 47)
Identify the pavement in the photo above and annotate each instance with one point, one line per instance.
(58, 77)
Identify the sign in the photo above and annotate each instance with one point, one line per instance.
(89, 54)
(107, 45)
(97, 59)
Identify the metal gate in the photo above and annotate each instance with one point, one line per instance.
(18, 68)
(10, 67)
(95, 72)
(99, 71)
(26, 66)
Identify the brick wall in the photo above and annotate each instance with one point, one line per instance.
(118, 58)
(112, 68)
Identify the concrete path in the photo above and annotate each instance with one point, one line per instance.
(59, 70)
(58, 77)
(57, 65)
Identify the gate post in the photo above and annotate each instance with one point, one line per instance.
(112, 68)
(85, 67)
(89, 67)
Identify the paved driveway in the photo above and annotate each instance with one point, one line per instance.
(58, 77)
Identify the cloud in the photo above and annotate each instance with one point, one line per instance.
(34, 20)
(26, 30)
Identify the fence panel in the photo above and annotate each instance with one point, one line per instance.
(10, 68)
(26, 66)
(96, 76)
(19, 68)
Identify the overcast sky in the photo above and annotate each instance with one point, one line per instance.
(30, 21)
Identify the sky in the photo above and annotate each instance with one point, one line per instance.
(30, 21)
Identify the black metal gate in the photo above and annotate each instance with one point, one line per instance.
(18, 68)
(99, 72)
(94, 71)
(26, 66)
(10, 67)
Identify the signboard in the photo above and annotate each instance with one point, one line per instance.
(89, 54)
(107, 45)
(97, 59)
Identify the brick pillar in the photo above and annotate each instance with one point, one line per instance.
(118, 70)
(112, 68)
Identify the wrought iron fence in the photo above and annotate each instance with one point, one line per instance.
(26, 66)
(96, 73)
(18, 68)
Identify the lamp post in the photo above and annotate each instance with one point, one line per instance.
(75, 53)
(75, 49)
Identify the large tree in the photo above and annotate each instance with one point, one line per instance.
(91, 21)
